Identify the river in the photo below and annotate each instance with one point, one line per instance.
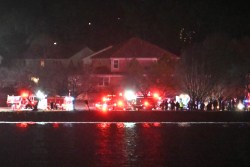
(114, 144)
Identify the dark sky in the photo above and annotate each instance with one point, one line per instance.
(99, 23)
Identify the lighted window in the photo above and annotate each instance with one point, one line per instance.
(116, 64)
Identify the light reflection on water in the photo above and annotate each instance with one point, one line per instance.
(125, 143)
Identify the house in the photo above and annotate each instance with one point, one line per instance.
(111, 63)
(80, 58)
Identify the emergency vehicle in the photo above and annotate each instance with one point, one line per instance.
(246, 102)
(145, 103)
(26, 102)
(60, 103)
(112, 103)
(22, 102)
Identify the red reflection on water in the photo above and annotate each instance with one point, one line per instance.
(154, 124)
(146, 125)
(120, 125)
(103, 125)
(157, 124)
(22, 125)
(55, 125)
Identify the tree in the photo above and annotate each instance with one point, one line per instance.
(163, 77)
(137, 77)
(211, 68)
(243, 51)
(196, 79)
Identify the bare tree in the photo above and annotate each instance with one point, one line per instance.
(163, 77)
(137, 77)
(211, 68)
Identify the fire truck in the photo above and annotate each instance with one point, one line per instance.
(112, 103)
(134, 102)
(26, 102)
(22, 102)
(145, 103)
(60, 103)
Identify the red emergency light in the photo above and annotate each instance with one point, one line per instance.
(120, 103)
(24, 94)
(146, 103)
(156, 95)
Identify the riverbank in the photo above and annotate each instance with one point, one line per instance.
(124, 116)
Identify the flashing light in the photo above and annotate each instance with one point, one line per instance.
(246, 101)
(120, 103)
(184, 98)
(104, 107)
(25, 94)
(156, 95)
(240, 106)
(69, 103)
(104, 99)
(40, 94)
(129, 95)
(146, 103)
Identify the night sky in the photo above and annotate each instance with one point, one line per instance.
(100, 23)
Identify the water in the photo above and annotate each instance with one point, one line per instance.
(124, 144)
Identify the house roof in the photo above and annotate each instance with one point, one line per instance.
(134, 48)
(85, 52)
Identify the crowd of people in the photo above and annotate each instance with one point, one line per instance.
(229, 104)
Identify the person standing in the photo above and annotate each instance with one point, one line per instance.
(202, 106)
(215, 104)
(166, 105)
(181, 105)
(177, 105)
(172, 105)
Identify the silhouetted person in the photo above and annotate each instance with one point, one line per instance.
(209, 106)
(223, 105)
(51, 105)
(233, 104)
(172, 105)
(215, 104)
(162, 105)
(177, 105)
(202, 106)
(35, 106)
(166, 105)
(181, 105)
